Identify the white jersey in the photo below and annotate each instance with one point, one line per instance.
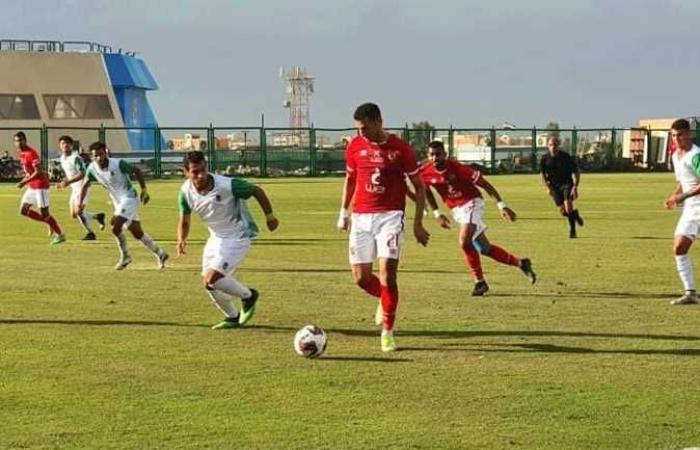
(72, 165)
(687, 171)
(114, 178)
(223, 209)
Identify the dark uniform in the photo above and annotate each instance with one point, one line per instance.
(558, 172)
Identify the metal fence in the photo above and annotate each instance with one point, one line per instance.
(270, 152)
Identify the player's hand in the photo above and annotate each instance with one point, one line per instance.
(508, 214)
(443, 221)
(181, 247)
(81, 208)
(421, 234)
(672, 201)
(343, 223)
(272, 223)
(574, 193)
(145, 198)
(62, 184)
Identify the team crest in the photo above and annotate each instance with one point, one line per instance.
(218, 197)
(225, 265)
(392, 155)
(111, 172)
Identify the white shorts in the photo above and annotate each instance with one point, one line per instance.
(376, 235)
(74, 200)
(688, 223)
(127, 208)
(38, 197)
(471, 212)
(224, 255)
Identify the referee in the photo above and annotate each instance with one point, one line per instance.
(561, 177)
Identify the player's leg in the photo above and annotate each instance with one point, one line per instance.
(685, 233)
(42, 202)
(129, 209)
(472, 258)
(389, 235)
(362, 251)
(568, 209)
(83, 218)
(220, 258)
(117, 226)
(503, 256)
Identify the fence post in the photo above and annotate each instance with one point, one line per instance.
(312, 152)
(647, 150)
(102, 134)
(451, 142)
(493, 150)
(263, 152)
(157, 150)
(44, 147)
(211, 151)
(613, 150)
(533, 162)
(574, 143)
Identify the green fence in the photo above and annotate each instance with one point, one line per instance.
(270, 152)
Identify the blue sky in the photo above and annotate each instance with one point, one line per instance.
(460, 62)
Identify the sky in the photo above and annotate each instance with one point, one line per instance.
(463, 63)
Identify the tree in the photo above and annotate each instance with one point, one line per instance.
(419, 136)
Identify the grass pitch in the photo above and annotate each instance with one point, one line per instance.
(592, 356)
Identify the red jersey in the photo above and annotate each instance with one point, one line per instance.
(29, 159)
(380, 171)
(456, 184)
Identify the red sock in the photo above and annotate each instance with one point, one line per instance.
(390, 301)
(471, 256)
(372, 287)
(502, 256)
(53, 225)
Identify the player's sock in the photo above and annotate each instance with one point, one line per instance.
(150, 244)
(685, 271)
(578, 218)
(223, 302)
(502, 256)
(572, 222)
(390, 301)
(231, 286)
(473, 259)
(372, 287)
(53, 225)
(84, 219)
(121, 243)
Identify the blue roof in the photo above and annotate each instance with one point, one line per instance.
(128, 72)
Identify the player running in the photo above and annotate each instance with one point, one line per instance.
(220, 203)
(376, 164)
(686, 166)
(458, 186)
(114, 175)
(73, 168)
(561, 177)
(37, 194)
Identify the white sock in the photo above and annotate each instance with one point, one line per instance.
(148, 242)
(223, 302)
(230, 286)
(121, 243)
(685, 271)
(84, 220)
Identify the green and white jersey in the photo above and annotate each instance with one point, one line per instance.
(72, 165)
(223, 209)
(687, 171)
(114, 178)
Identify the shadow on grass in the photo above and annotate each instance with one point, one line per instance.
(551, 348)
(578, 294)
(148, 323)
(363, 359)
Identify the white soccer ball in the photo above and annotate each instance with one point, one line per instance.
(310, 341)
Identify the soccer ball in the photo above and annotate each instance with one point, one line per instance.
(310, 341)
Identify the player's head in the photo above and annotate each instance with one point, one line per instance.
(20, 140)
(553, 144)
(368, 121)
(196, 169)
(65, 143)
(681, 134)
(99, 153)
(437, 154)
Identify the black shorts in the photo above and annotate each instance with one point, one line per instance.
(560, 193)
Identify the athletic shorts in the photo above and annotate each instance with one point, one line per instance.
(689, 223)
(37, 197)
(471, 212)
(561, 193)
(127, 208)
(376, 235)
(224, 255)
(74, 200)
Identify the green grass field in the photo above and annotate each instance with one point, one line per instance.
(592, 356)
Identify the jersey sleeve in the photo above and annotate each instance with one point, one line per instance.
(183, 204)
(241, 188)
(350, 163)
(89, 174)
(410, 164)
(469, 173)
(125, 167)
(695, 163)
(79, 165)
(572, 165)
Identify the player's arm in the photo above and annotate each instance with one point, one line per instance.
(576, 175)
(138, 174)
(442, 219)
(266, 206)
(506, 212)
(421, 234)
(183, 224)
(38, 172)
(545, 177)
(346, 199)
(83, 193)
(678, 196)
(80, 166)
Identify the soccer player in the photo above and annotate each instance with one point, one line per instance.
(686, 166)
(74, 170)
(561, 177)
(37, 194)
(376, 164)
(221, 204)
(458, 186)
(114, 175)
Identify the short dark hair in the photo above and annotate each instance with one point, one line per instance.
(437, 145)
(195, 157)
(21, 135)
(680, 125)
(367, 111)
(98, 145)
(66, 138)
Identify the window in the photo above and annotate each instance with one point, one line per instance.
(78, 106)
(18, 107)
